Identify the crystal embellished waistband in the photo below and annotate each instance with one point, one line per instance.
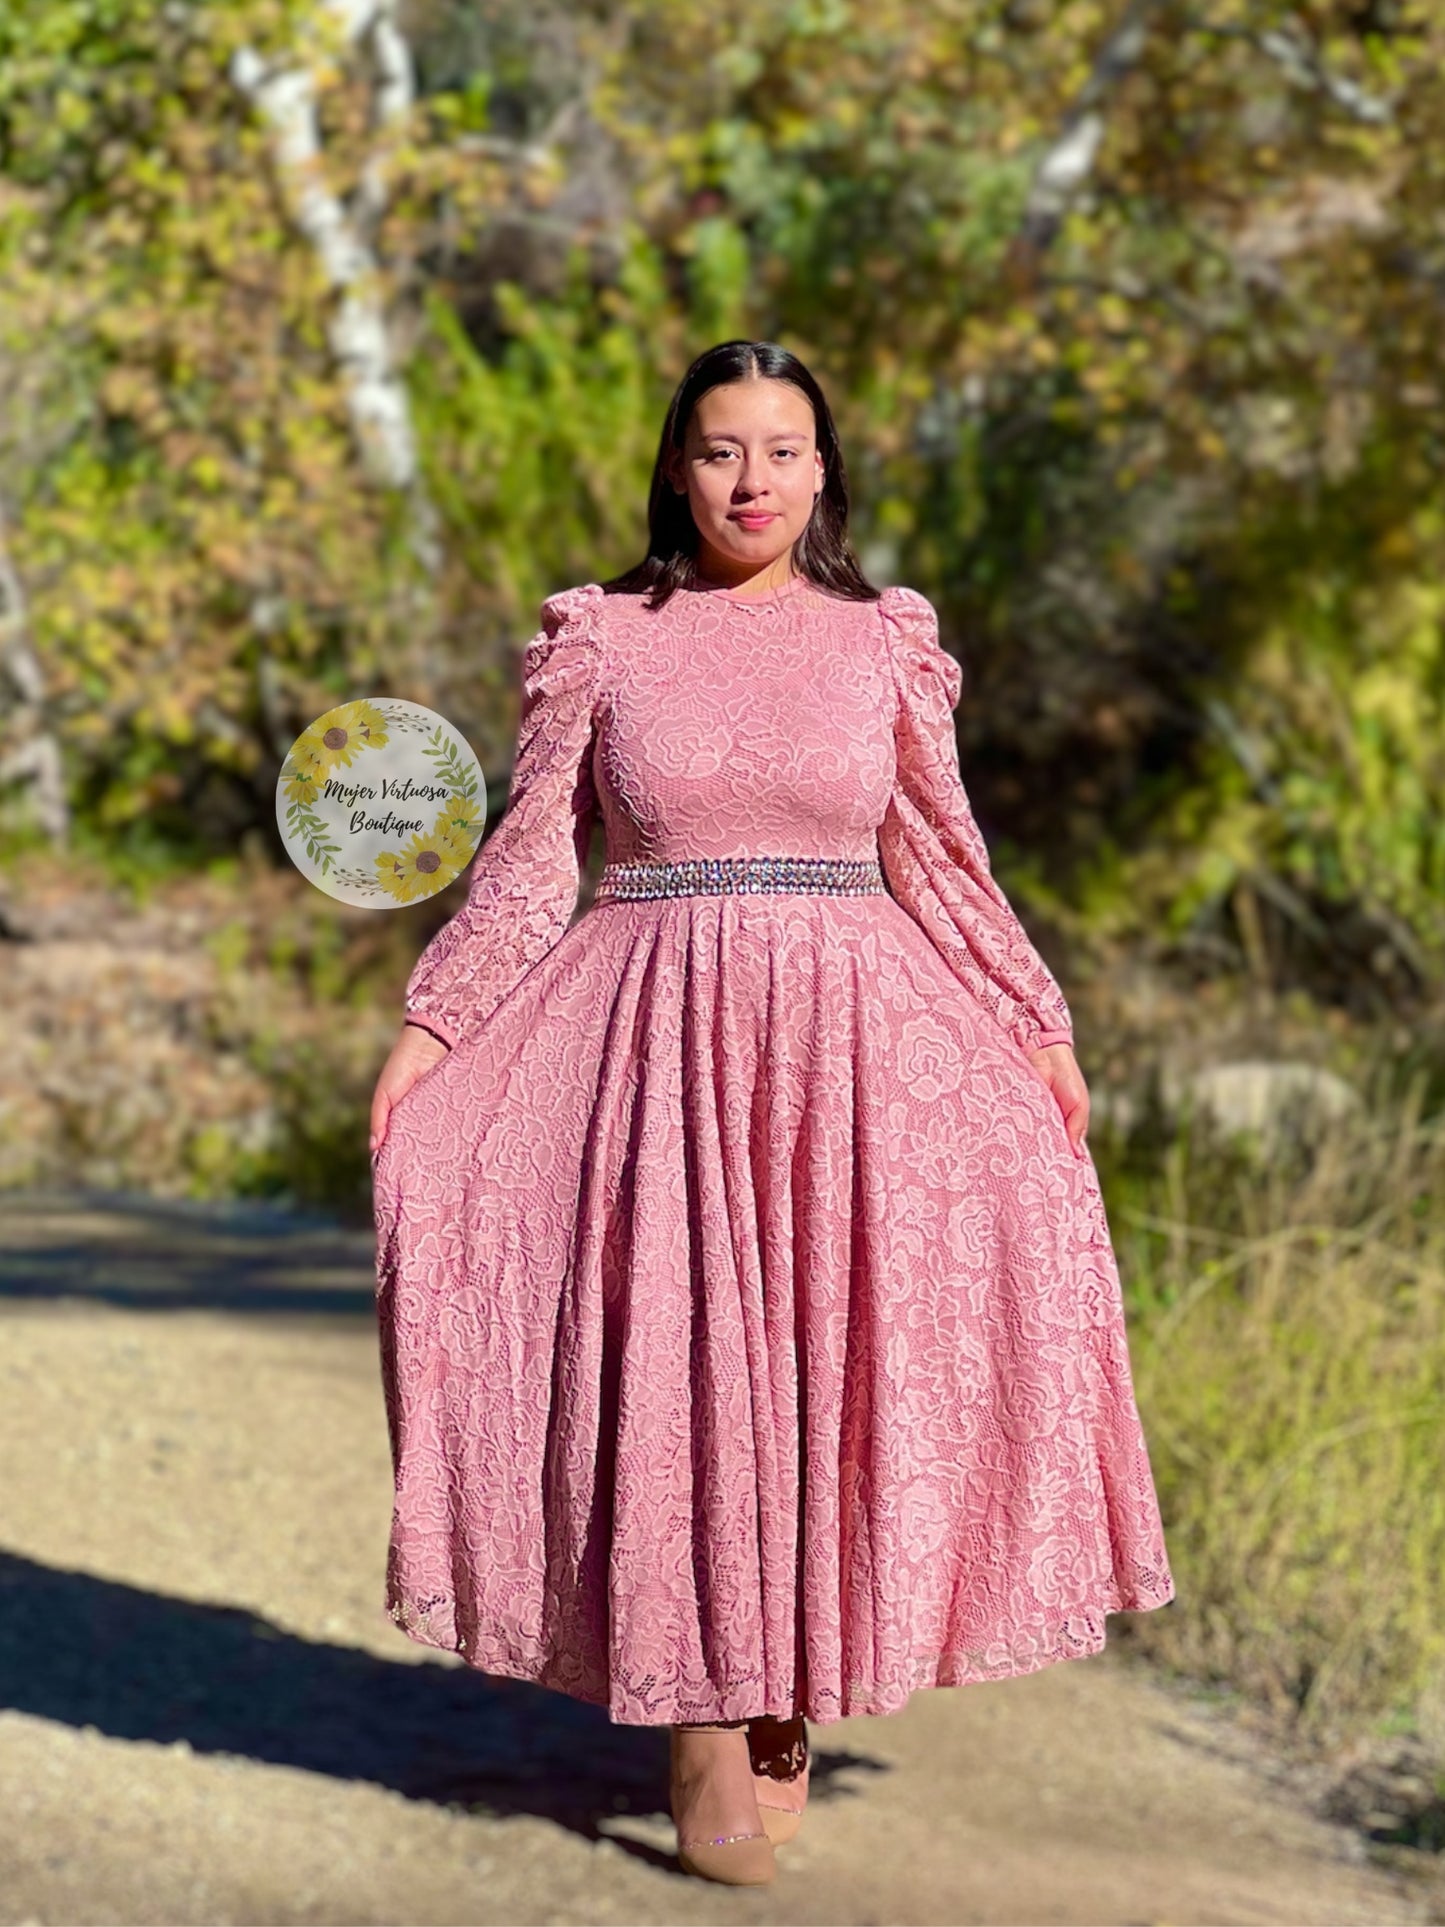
(721, 876)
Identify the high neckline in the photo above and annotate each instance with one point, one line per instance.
(790, 587)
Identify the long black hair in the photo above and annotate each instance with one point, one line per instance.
(822, 552)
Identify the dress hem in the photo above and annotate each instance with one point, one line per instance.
(1080, 1635)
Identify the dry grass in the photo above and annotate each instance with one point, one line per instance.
(1287, 1323)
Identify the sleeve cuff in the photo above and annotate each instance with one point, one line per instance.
(435, 1026)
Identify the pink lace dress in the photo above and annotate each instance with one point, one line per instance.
(752, 1340)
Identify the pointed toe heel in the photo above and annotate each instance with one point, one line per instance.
(779, 1823)
(735, 1859)
(740, 1860)
(782, 1764)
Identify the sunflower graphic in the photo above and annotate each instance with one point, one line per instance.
(428, 864)
(329, 744)
(305, 768)
(344, 732)
(459, 824)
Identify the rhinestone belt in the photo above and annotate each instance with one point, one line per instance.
(720, 876)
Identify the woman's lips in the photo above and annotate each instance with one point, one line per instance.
(754, 521)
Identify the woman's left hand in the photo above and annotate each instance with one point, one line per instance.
(1059, 1068)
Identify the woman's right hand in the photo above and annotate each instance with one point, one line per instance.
(414, 1053)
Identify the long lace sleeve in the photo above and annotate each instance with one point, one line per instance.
(526, 875)
(932, 851)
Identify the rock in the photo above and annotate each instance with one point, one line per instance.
(1276, 1101)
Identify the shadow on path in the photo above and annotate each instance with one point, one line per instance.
(142, 1666)
(139, 1665)
(170, 1254)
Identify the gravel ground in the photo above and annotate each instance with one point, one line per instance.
(208, 1717)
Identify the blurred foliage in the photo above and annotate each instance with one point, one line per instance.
(1163, 444)
(1318, 793)
(206, 566)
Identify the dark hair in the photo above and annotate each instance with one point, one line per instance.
(822, 552)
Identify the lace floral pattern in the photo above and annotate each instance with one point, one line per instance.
(752, 1339)
(933, 854)
(525, 876)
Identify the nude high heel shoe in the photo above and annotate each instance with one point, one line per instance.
(786, 1764)
(737, 1859)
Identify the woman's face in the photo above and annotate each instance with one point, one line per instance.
(751, 471)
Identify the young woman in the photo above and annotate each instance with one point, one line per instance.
(753, 1344)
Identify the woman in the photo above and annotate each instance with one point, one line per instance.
(753, 1344)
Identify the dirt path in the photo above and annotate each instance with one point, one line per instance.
(208, 1718)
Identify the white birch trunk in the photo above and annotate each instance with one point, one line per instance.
(343, 237)
(29, 752)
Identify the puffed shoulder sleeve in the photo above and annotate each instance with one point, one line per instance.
(526, 874)
(932, 851)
